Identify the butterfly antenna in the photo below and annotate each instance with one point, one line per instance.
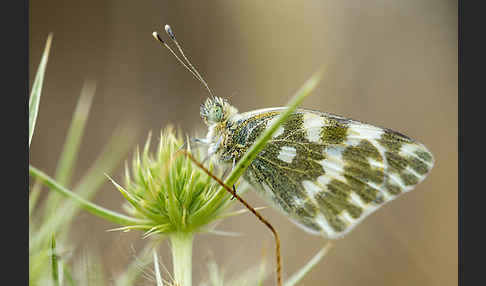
(162, 42)
(171, 34)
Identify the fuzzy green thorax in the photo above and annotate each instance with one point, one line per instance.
(216, 110)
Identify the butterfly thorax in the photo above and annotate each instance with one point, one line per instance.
(241, 131)
(217, 113)
(231, 134)
(228, 141)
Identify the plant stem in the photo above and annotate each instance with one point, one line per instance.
(182, 258)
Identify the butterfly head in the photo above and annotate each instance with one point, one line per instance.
(216, 110)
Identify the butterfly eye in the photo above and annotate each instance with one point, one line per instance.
(212, 111)
(216, 113)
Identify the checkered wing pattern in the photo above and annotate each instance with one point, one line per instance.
(327, 172)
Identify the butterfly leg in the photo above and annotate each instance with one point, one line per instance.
(213, 148)
(198, 142)
(182, 146)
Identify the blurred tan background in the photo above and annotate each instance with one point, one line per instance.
(390, 63)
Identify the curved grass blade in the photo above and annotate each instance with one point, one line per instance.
(90, 183)
(83, 203)
(35, 94)
(75, 134)
(69, 154)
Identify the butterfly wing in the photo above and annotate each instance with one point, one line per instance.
(326, 172)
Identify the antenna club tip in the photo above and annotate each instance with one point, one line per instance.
(168, 30)
(157, 37)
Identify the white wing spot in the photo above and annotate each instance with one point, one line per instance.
(313, 125)
(287, 154)
(311, 188)
(299, 201)
(345, 216)
(356, 200)
(364, 131)
(398, 181)
(323, 180)
(335, 152)
(333, 167)
(322, 222)
(407, 149)
(413, 172)
(375, 164)
(385, 195)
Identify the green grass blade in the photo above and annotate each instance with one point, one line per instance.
(70, 150)
(120, 143)
(34, 196)
(35, 94)
(294, 279)
(91, 182)
(75, 134)
(39, 266)
(54, 264)
(83, 203)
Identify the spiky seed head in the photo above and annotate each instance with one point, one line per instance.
(172, 194)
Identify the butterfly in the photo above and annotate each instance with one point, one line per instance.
(325, 172)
